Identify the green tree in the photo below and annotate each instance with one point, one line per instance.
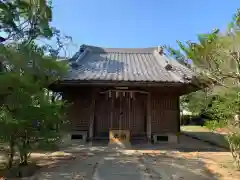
(216, 61)
(28, 111)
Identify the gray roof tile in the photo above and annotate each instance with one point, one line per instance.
(125, 64)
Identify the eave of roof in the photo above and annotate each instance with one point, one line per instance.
(125, 64)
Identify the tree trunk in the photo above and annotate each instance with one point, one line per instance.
(24, 157)
(11, 154)
(24, 149)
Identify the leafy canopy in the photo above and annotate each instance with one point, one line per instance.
(29, 111)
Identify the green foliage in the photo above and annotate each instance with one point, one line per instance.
(29, 113)
(214, 124)
(178, 55)
(195, 102)
(26, 18)
(227, 103)
(216, 61)
(234, 143)
(214, 110)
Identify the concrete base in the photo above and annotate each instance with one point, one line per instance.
(171, 138)
(67, 140)
(82, 133)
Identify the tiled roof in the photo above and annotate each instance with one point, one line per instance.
(125, 64)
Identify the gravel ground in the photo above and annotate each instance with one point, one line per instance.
(191, 159)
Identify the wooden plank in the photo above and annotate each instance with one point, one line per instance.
(111, 113)
(149, 119)
(178, 115)
(91, 124)
(178, 118)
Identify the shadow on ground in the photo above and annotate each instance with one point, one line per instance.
(217, 138)
(166, 166)
(141, 161)
(102, 163)
(77, 165)
(186, 144)
(212, 138)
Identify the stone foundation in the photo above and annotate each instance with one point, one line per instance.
(80, 136)
(67, 138)
(165, 138)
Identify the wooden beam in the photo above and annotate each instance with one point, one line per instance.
(120, 90)
(91, 124)
(149, 119)
(118, 83)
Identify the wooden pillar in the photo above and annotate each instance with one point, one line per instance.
(91, 124)
(112, 96)
(120, 119)
(149, 119)
(178, 118)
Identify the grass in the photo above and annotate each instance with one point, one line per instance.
(205, 134)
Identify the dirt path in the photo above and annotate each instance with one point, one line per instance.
(81, 167)
(138, 166)
(190, 160)
(117, 167)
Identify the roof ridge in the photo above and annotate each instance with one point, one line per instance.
(119, 50)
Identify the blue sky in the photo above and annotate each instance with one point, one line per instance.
(139, 23)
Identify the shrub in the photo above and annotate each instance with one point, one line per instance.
(214, 124)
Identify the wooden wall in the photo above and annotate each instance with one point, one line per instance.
(79, 112)
(123, 112)
(164, 112)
